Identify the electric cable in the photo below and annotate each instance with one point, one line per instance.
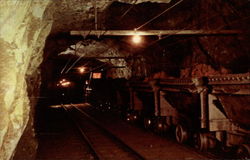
(149, 22)
(157, 16)
(126, 12)
(79, 58)
(190, 26)
(65, 66)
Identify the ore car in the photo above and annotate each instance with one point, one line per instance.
(208, 111)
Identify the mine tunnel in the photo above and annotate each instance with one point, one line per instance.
(124, 79)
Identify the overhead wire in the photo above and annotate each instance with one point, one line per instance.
(190, 26)
(67, 63)
(65, 66)
(79, 58)
(146, 24)
(157, 40)
(157, 16)
(126, 12)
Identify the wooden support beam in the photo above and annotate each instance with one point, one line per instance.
(99, 33)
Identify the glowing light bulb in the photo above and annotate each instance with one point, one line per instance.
(82, 69)
(137, 39)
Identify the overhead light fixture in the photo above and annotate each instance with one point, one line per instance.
(137, 39)
(82, 70)
(66, 84)
(63, 83)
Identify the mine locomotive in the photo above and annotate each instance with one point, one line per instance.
(208, 111)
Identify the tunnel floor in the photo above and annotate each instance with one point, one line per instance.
(59, 139)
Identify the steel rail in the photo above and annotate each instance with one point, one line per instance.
(108, 134)
(95, 153)
(111, 135)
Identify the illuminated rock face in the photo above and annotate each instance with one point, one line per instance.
(22, 35)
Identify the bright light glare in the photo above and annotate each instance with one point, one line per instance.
(137, 39)
(64, 83)
(82, 69)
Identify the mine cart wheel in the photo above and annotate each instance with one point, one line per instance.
(243, 152)
(181, 133)
(147, 122)
(205, 141)
(201, 141)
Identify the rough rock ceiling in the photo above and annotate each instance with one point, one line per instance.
(190, 14)
(79, 14)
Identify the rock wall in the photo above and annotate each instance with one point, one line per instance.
(23, 30)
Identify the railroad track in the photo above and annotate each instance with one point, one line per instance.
(104, 145)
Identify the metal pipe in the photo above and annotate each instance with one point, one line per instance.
(96, 20)
(153, 32)
(204, 108)
(201, 86)
(156, 90)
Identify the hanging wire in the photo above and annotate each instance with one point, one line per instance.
(100, 35)
(67, 63)
(215, 15)
(190, 26)
(65, 66)
(232, 8)
(157, 16)
(79, 58)
(126, 12)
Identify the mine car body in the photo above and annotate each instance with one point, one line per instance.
(208, 111)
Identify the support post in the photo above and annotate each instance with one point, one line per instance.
(96, 16)
(156, 90)
(203, 91)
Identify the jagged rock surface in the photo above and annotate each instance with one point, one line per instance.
(25, 24)
(22, 34)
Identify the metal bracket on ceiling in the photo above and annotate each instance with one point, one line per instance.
(87, 33)
(160, 35)
(84, 34)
